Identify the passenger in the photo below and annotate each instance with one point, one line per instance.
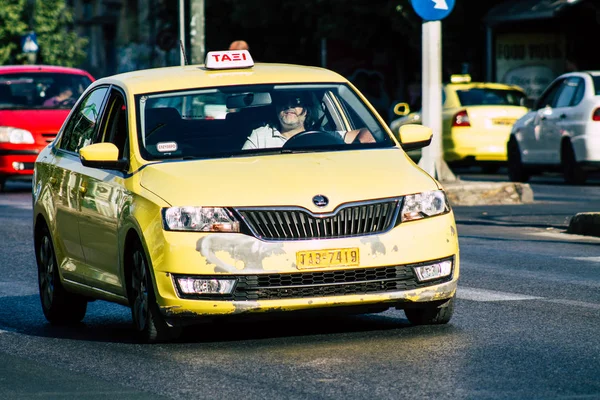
(295, 115)
(64, 95)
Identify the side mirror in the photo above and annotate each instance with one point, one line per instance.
(402, 109)
(414, 137)
(102, 155)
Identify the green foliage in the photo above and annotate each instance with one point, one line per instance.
(59, 44)
(52, 21)
(12, 26)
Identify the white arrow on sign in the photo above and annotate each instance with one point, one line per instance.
(440, 4)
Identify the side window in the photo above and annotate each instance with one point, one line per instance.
(567, 93)
(115, 127)
(549, 95)
(81, 127)
(579, 93)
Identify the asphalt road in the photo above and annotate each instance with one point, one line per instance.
(525, 327)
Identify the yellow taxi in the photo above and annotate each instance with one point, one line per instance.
(231, 188)
(477, 118)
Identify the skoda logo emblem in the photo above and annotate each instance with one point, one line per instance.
(320, 200)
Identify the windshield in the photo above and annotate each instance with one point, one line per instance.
(488, 97)
(41, 90)
(256, 119)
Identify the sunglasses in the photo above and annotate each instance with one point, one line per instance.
(292, 103)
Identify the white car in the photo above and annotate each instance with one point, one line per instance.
(561, 132)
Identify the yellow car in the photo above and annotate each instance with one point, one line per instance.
(182, 193)
(476, 121)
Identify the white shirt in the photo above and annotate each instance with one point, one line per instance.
(264, 137)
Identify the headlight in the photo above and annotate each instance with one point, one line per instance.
(199, 219)
(8, 134)
(423, 205)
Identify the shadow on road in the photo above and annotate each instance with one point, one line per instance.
(106, 322)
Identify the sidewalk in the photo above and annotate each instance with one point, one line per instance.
(472, 193)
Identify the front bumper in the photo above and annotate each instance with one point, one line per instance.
(234, 255)
(17, 160)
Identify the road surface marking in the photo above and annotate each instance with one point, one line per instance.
(490, 295)
(574, 303)
(592, 259)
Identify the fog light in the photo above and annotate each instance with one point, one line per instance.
(190, 285)
(434, 271)
(18, 166)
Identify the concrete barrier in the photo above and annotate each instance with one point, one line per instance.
(587, 223)
(471, 193)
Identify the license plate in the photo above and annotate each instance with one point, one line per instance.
(327, 258)
(504, 121)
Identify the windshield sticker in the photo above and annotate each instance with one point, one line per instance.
(165, 147)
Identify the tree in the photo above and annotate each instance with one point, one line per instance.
(59, 43)
(52, 22)
(12, 26)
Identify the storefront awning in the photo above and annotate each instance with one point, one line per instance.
(522, 10)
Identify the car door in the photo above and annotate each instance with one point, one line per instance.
(66, 182)
(558, 120)
(533, 151)
(574, 115)
(102, 201)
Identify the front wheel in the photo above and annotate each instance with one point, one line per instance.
(516, 169)
(573, 173)
(58, 305)
(432, 313)
(149, 323)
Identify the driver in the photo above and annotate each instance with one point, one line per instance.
(64, 94)
(294, 115)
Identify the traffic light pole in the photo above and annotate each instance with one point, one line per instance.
(432, 159)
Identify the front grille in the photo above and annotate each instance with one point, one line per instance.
(299, 224)
(323, 284)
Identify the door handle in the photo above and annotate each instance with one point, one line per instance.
(82, 190)
(563, 116)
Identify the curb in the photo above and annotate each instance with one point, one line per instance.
(587, 223)
(471, 193)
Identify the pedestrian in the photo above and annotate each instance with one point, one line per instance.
(239, 45)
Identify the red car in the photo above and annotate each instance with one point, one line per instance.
(34, 102)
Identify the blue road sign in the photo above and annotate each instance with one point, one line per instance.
(29, 43)
(433, 10)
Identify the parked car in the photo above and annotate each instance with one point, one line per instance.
(476, 121)
(34, 102)
(561, 132)
(184, 193)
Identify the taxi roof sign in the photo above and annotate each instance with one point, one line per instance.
(464, 78)
(229, 59)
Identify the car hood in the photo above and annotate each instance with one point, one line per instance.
(35, 121)
(288, 179)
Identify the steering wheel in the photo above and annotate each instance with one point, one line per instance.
(313, 138)
(68, 102)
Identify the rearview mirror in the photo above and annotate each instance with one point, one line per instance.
(246, 100)
(414, 136)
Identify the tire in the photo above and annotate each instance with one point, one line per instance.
(148, 322)
(516, 169)
(59, 306)
(573, 173)
(432, 313)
